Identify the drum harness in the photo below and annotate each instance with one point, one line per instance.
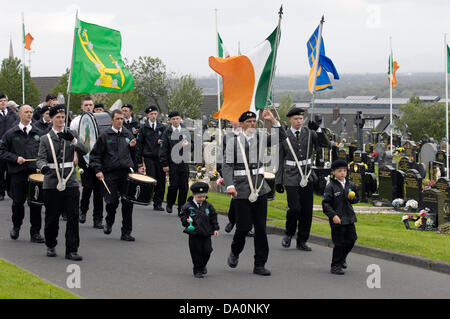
(61, 181)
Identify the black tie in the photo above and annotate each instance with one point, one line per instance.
(3, 113)
(297, 134)
(25, 130)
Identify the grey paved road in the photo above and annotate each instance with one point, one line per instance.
(158, 265)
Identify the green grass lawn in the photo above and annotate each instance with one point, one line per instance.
(16, 283)
(375, 230)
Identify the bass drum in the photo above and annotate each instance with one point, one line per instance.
(139, 189)
(90, 127)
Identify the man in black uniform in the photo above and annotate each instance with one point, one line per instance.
(148, 146)
(61, 185)
(45, 122)
(50, 100)
(243, 174)
(21, 144)
(132, 125)
(8, 118)
(178, 137)
(296, 174)
(111, 159)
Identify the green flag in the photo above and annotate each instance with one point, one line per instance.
(97, 63)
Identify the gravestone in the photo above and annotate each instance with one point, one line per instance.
(357, 176)
(396, 140)
(404, 164)
(370, 164)
(368, 148)
(441, 156)
(428, 154)
(326, 155)
(443, 184)
(342, 154)
(413, 186)
(370, 183)
(410, 149)
(385, 192)
(351, 150)
(398, 180)
(434, 200)
(380, 149)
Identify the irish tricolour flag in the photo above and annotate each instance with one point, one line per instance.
(245, 79)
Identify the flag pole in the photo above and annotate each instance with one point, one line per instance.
(272, 69)
(23, 59)
(69, 80)
(218, 83)
(391, 77)
(316, 63)
(446, 98)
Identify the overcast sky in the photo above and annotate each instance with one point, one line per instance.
(182, 33)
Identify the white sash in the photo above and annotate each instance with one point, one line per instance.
(61, 182)
(303, 178)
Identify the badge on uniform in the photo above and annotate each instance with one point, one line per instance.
(36, 137)
(160, 133)
(127, 140)
(207, 211)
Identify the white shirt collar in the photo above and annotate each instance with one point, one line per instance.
(176, 129)
(21, 126)
(116, 131)
(198, 205)
(151, 123)
(342, 183)
(293, 130)
(5, 110)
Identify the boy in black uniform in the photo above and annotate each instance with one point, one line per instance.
(338, 197)
(44, 123)
(178, 137)
(111, 159)
(19, 144)
(203, 217)
(148, 146)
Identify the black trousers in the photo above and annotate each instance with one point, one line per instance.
(200, 248)
(91, 184)
(247, 215)
(154, 169)
(300, 202)
(178, 183)
(19, 195)
(56, 202)
(231, 213)
(3, 177)
(344, 237)
(116, 182)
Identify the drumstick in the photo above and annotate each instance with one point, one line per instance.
(106, 186)
(30, 160)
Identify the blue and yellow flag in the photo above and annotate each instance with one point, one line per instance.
(325, 65)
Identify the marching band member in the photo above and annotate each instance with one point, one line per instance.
(19, 149)
(61, 185)
(296, 175)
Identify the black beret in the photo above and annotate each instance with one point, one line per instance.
(174, 113)
(127, 105)
(3, 96)
(60, 108)
(247, 115)
(151, 108)
(339, 163)
(296, 111)
(99, 105)
(199, 188)
(44, 109)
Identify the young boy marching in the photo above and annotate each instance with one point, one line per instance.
(200, 221)
(338, 197)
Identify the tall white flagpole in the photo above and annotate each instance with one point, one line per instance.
(219, 142)
(446, 99)
(23, 59)
(391, 77)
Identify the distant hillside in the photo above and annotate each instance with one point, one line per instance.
(351, 84)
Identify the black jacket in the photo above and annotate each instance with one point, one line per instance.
(134, 124)
(6, 123)
(147, 141)
(44, 127)
(204, 218)
(16, 143)
(112, 151)
(169, 142)
(335, 201)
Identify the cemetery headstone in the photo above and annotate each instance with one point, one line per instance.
(434, 200)
(404, 164)
(396, 140)
(428, 154)
(443, 184)
(385, 184)
(342, 154)
(441, 156)
(413, 186)
(357, 176)
(436, 170)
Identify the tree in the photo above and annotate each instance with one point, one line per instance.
(285, 106)
(422, 119)
(75, 98)
(11, 82)
(186, 97)
(151, 82)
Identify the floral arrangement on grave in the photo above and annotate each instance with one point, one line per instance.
(374, 155)
(421, 220)
(400, 149)
(428, 183)
(200, 172)
(213, 176)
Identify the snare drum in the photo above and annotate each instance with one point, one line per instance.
(270, 179)
(139, 189)
(34, 190)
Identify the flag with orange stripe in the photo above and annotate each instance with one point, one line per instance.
(28, 40)
(393, 67)
(245, 79)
